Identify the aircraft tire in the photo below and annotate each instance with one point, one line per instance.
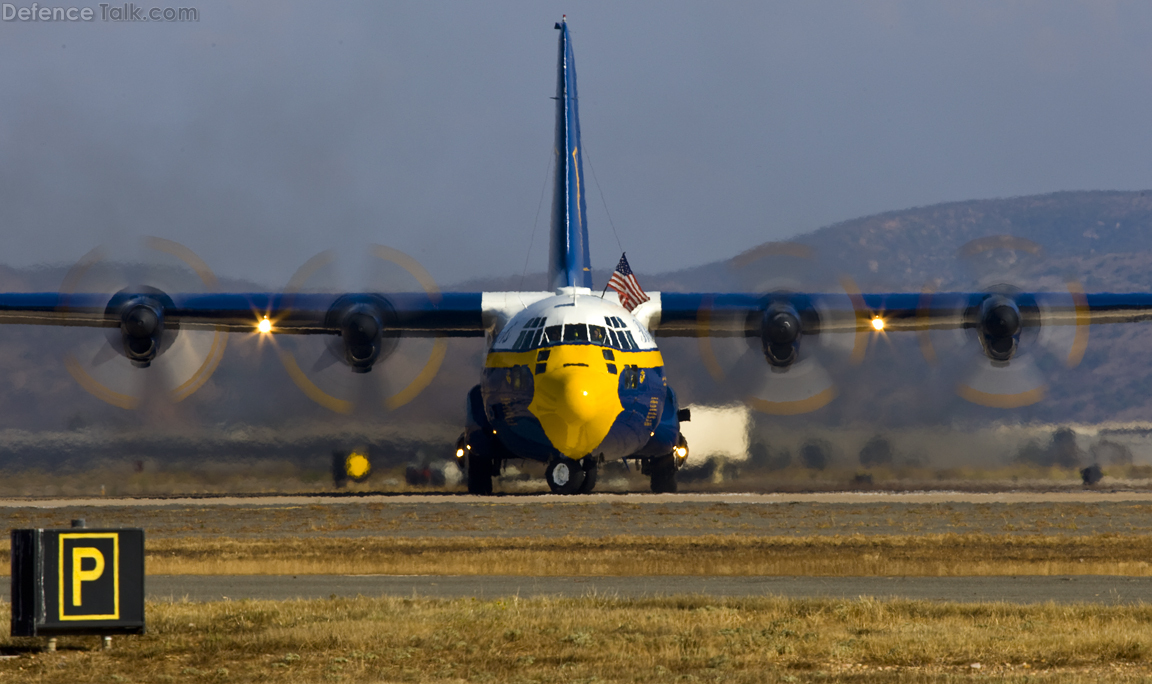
(664, 474)
(479, 474)
(591, 474)
(564, 476)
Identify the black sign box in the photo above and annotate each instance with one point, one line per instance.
(77, 581)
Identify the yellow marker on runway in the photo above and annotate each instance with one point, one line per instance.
(357, 465)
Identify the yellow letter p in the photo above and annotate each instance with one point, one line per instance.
(79, 576)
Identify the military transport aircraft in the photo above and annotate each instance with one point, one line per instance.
(573, 378)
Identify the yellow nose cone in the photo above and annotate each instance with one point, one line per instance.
(576, 399)
(581, 397)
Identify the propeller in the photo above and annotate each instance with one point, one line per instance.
(776, 355)
(142, 354)
(369, 364)
(1000, 336)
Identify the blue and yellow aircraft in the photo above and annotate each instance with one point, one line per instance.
(571, 378)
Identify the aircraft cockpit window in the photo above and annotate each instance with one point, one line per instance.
(612, 338)
(575, 332)
(552, 334)
(536, 338)
(527, 340)
(597, 335)
(631, 340)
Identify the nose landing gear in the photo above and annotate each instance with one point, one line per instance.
(591, 473)
(569, 476)
(565, 475)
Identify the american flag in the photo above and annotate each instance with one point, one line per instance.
(624, 282)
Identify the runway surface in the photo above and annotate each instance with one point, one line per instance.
(1071, 589)
(1069, 514)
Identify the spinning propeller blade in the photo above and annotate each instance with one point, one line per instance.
(775, 357)
(142, 356)
(369, 364)
(1008, 329)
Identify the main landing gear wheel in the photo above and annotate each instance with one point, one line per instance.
(565, 476)
(591, 472)
(664, 474)
(479, 473)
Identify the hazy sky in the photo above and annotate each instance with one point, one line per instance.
(269, 131)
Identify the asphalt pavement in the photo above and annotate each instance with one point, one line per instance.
(1068, 589)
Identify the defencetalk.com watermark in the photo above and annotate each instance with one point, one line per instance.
(103, 12)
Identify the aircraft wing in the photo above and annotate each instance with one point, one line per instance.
(453, 314)
(182, 337)
(726, 314)
(797, 333)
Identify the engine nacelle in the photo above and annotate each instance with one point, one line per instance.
(367, 331)
(141, 327)
(141, 336)
(780, 332)
(999, 327)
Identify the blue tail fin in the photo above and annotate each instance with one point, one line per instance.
(568, 262)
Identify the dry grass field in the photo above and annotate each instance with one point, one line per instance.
(596, 639)
(673, 538)
(610, 639)
(947, 555)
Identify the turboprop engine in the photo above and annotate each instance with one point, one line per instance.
(141, 336)
(780, 332)
(367, 331)
(999, 327)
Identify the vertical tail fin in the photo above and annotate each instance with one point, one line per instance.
(568, 262)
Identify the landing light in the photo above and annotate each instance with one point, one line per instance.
(681, 451)
(878, 324)
(459, 453)
(264, 326)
